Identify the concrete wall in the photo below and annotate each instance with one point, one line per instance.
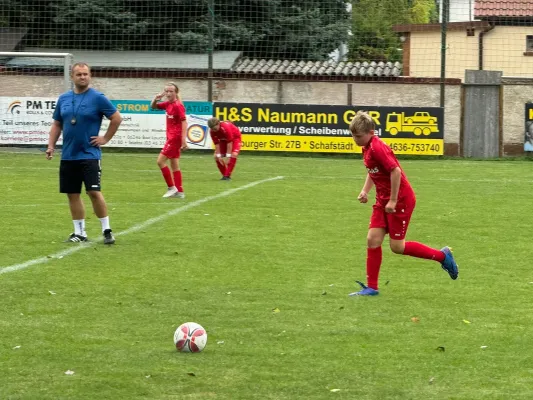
(516, 94)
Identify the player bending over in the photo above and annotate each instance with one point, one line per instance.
(227, 140)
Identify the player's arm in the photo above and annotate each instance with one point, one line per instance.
(114, 122)
(55, 132)
(216, 142)
(218, 154)
(367, 187)
(385, 158)
(184, 126)
(153, 104)
(395, 179)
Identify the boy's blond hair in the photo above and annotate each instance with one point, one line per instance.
(362, 122)
(212, 122)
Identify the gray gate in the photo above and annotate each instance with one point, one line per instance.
(481, 117)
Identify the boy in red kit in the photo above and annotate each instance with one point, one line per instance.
(176, 138)
(227, 140)
(395, 203)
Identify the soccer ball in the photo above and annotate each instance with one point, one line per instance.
(190, 337)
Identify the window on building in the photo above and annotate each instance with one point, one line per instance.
(529, 43)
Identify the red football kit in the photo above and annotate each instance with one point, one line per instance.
(175, 113)
(227, 133)
(379, 161)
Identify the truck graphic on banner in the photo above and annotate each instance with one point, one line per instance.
(419, 123)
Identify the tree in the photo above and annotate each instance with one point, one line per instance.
(96, 25)
(300, 29)
(291, 29)
(423, 12)
(373, 37)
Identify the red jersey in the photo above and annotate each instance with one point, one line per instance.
(226, 133)
(379, 161)
(175, 112)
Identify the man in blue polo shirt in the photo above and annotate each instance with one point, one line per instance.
(79, 114)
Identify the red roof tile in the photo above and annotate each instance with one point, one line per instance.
(503, 8)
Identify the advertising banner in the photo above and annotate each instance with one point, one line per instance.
(27, 121)
(324, 128)
(528, 139)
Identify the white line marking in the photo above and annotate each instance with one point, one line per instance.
(135, 228)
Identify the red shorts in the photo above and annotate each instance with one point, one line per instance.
(395, 224)
(235, 149)
(172, 148)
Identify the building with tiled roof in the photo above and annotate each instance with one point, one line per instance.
(501, 39)
(503, 8)
(256, 66)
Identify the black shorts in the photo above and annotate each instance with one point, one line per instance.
(72, 173)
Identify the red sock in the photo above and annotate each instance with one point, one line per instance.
(167, 175)
(419, 250)
(178, 180)
(221, 166)
(231, 165)
(373, 264)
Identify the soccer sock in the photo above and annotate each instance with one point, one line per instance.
(221, 166)
(231, 165)
(79, 227)
(419, 250)
(178, 182)
(105, 223)
(373, 264)
(168, 176)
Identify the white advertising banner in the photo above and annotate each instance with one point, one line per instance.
(27, 120)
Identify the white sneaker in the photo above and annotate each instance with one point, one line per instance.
(171, 192)
(179, 195)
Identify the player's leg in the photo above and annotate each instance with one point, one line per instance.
(92, 173)
(100, 209)
(70, 181)
(77, 211)
(221, 164)
(92, 178)
(233, 158)
(376, 235)
(398, 223)
(165, 171)
(178, 180)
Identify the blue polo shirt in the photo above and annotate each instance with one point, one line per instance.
(88, 109)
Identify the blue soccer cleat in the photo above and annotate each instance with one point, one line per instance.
(449, 264)
(365, 291)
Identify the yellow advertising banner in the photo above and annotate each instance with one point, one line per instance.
(324, 144)
(324, 128)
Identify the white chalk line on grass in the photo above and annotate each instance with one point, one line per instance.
(135, 228)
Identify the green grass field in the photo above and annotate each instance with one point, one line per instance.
(266, 269)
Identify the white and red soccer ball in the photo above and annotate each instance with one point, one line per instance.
(190, 337)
